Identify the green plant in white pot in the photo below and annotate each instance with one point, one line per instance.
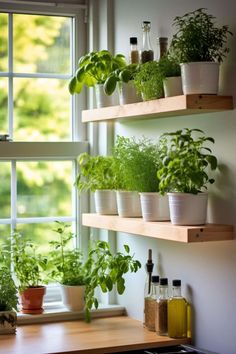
(93, 70)
(99, 174)
(171, 73)
(67, 267)
(200, 46)
(8, 294)
(139, 160)
(185, 174)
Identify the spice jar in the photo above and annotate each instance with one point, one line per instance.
(150, 304)
(161, 308)
(134, 54)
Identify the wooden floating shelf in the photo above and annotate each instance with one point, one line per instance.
(163, 107)
(163, 230)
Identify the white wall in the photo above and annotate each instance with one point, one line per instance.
(207, 270)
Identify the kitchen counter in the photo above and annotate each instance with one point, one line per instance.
(102, 335)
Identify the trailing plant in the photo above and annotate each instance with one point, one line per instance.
(94, 68)
(66, 262)
(29, 265)
(97, 172)
(124, 75)
(186, 164)
(106, 270)
(148, 80)
(198, 38)
(139, 161)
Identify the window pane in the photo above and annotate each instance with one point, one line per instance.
(41, 44)
(5, 190)
(44, 188)
(3, 41)
(3, 105)
(41, 110)
(41, 234)
(5, 232)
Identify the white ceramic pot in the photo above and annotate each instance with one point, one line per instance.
(188, 209)
(73, 297)
(172, 86)
(103, 100)
(200, 78)
(155, 207)
(105, 202)
(128, 204)
(128, 93)
(8, 322)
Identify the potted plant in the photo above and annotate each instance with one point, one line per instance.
(67, 267)
(93, 70)
(99, 174)
(200, 46)
(29, 267)
(8, 294)
(149, 81)
(171, 73)
(184, 175)
(106, 270)
(139, 161)
(124, 77)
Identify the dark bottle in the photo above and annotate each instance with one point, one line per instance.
(134, 53)
(147, 53)
(161, 308)
(162, 44)
(177, 312)
(150, 304)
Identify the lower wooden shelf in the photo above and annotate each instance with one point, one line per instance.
(163, 230)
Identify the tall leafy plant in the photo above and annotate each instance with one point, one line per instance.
(187, 162)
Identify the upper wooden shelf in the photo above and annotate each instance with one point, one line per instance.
(163, 230)
(163, 107)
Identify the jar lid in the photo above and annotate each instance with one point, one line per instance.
(133, 40)
(155, 278)
(176, 282)
(162, 39)
(163, 281)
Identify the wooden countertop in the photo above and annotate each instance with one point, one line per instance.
(102, 335)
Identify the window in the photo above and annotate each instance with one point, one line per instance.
(38, 166)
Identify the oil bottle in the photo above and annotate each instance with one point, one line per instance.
(177, 310)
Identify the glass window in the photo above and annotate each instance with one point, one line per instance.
(3, 41)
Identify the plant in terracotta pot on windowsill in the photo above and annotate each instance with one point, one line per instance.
(66, 266)
(93, 70)
(199, 45)
(124, 78)
(139, 161)
(184, 175)
(29, 267)
(99, 174)
(8, 294)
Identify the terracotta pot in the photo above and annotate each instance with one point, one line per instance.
(32, 300)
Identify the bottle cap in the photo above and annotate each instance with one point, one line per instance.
(163, 281)
(146, 22)
(176, 282)
(162, 39)
(133, 40)
(155, 278)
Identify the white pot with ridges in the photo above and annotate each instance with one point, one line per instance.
(155, 207)
(128, 204)
(73, 297)
(105, 202)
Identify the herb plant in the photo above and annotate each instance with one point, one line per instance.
(94, 68)
(169, 67)
(148, 80)
(8, 290)
(29, 266)
(106, 270)
(187, 162)
(66, 261)
(124, 74)
(198, 38)
(139, 161)
(97, 172)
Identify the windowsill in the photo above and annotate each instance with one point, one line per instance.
(55, 312)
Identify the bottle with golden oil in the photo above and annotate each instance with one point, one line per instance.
(177, 310)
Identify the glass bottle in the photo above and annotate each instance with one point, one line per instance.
(162, 44)
(150, 304)
(134, 54)
(177, 312)
(147, 53)
(161, 308)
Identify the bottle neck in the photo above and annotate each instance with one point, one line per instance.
(176, 291)
(154, 291)
(146, 39)
(163, 292)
